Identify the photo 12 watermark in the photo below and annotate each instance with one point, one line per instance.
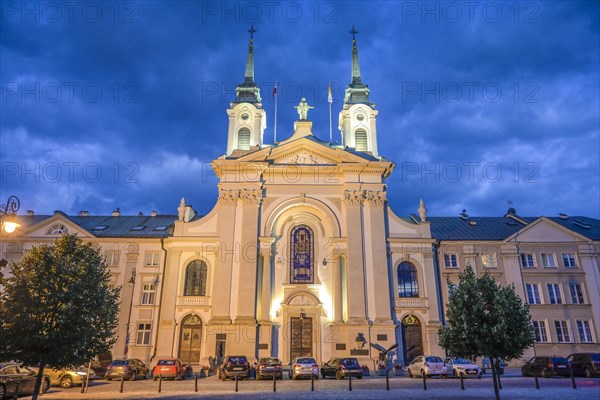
(69, 12)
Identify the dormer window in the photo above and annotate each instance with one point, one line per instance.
(138, 228)
(57, 229)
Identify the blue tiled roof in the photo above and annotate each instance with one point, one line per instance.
(149, 227)
(500, 228)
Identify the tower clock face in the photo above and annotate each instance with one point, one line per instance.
(360, 117)
(245, 116)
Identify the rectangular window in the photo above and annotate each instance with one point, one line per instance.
(488, 260)
(148, 293)
(526, 260)
(220, 346)
(533, 293)
(152, 259)
(585, 331)
(143, 334)
(548, 260)
(450, 261)
(449, 287)
(576, 293)
(569, 260)
(562, 331)
(541, 334)
(554, 293)
(112, 258)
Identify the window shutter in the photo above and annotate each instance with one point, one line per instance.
(244, 139)
(361, 140)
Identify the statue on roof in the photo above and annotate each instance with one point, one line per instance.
(303, 108)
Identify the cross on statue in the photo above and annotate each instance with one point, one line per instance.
(252, 31)
(353, 32)
(303, 108)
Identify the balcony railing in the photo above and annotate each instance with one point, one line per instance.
(411, 302)
(193, 300)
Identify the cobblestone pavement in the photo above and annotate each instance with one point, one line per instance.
(369, 388)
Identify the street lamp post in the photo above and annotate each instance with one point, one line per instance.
(131, 283)
(7, 214)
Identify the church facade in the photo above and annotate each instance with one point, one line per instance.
(303, 256)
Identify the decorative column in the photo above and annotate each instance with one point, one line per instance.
(353, 202)
(166, 319)
(338, 305)
(266, 244)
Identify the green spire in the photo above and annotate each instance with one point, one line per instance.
(248, 91)
(356, 92)
(249, 76)
(355, 64)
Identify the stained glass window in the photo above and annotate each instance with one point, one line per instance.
(408, 286)
(195, 279)
(302, 257)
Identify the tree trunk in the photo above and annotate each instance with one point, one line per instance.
(493, 366)
(38, 382)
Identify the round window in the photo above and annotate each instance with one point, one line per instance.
(360, 117)
(245, 116)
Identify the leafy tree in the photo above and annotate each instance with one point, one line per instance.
(56, 308)
(486, 319)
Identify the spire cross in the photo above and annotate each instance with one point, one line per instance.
(353, 32)
(252, 31)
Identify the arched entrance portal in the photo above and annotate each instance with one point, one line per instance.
(190, 339)
(411, 338)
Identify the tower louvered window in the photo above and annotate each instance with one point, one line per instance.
(361, 140)
(244, 139)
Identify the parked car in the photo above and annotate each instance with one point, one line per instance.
(233, 366)
(268, 367)
(341, 368)
(486, 365)
(100, 363)
(169, 368)
(466, 368)
(585, 364)
(304, 366)
(428, 366)
(546, 366)
(66, 378)
(131, 369)
(12, 377)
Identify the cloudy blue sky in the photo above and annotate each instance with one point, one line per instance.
(108, 105)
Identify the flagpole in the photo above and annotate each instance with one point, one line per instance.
(330, 100)
(275, 128)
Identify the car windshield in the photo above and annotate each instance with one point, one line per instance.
(167, 362)
(350, 361)
(306, 361)
(433, 359)
(462, 361)
(118, 363)
(237, 360)
(269, 361)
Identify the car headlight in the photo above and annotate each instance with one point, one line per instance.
(81, 373)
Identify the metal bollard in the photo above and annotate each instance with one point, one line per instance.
(236, 383)
(537, 384)
(159, 383)
(462, 382)
(424, 381)
(387, 379)
(312, 382)
(349, 382)
(196, 384)
(499, 382)
(573, 379)
(274, 383)
(122, 380)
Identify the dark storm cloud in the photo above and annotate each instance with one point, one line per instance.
(476, 108)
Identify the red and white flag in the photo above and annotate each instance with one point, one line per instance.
(275, 90)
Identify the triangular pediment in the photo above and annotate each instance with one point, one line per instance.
(544, 230)
(55, 226)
